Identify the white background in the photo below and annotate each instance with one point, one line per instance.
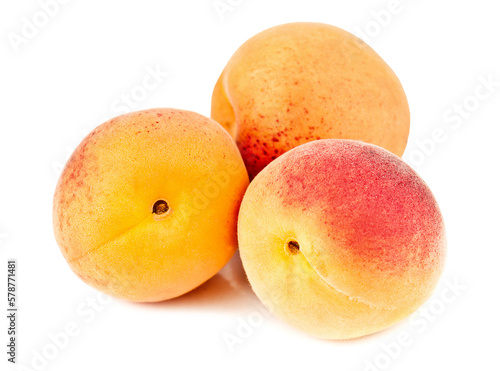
(73, 74)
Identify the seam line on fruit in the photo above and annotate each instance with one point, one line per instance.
(358, 300)
(233, 128)
(98, 247)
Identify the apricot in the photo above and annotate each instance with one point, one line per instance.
(146, 207)
(299, 82)
(341, 238)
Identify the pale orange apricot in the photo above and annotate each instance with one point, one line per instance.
(341, 238)
(146, 207)
(299, 82)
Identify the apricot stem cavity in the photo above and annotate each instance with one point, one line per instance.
(160, 208)
(292, 247)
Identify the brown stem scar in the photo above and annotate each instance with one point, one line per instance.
(292, 247)
(160, 207)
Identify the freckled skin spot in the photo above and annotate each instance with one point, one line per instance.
(323, 84)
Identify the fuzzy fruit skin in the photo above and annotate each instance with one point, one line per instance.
(299, 82)
(371, 236)
(103, 202)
